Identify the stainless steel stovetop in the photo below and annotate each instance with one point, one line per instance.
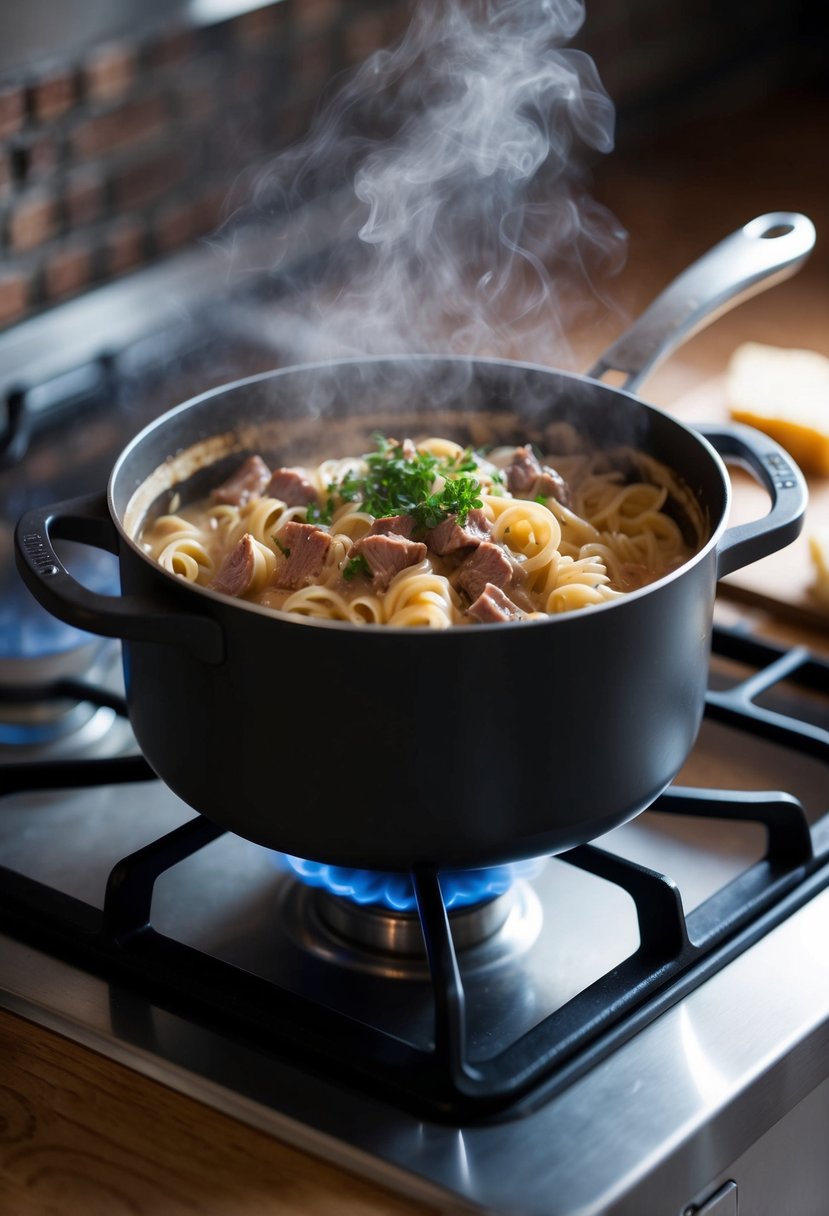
(716, 1089)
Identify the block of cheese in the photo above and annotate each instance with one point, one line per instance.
(786, 394)
(819, 552)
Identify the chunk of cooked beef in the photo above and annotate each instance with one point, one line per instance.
(451, 537)
(487, 564)
(387, 555)
(247, 483)
(235, 574)
(393, 525)
(526, 478)
(550, 484)
(522, 471)
(305, 548)
(493, 606)
(293, 487)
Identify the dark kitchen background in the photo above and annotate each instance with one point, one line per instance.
(125, 126)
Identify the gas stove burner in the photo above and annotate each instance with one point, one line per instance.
(368, 919)
(391, 931)
(57, 706)
(51, 724)
(36, 646)
(388, 942)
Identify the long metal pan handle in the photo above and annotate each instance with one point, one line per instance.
(743, 544)
(763, 252)
(88, 521)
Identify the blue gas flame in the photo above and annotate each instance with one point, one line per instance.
(460, 888)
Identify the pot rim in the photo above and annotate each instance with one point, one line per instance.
(391, 630)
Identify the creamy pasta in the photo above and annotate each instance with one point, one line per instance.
(431, 535)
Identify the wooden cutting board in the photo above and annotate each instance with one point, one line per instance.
(782, 582)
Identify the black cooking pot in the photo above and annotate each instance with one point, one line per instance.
(380, 747)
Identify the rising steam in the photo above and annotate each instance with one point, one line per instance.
(465, 150)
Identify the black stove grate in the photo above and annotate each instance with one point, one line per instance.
(677, 951)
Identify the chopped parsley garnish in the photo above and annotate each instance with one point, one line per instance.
(319, 513)
(393, 485)
(399, 484)
(355, 565)
(282, 548)
(457, 498)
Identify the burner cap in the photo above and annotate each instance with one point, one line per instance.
(387, 942)
(394, 932)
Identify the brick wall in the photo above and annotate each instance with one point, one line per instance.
(129, 150)
(125, 152)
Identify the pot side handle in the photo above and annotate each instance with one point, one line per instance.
(763, 252)
(87, 520)
(743, 544)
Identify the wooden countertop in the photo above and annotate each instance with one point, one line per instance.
(80, 1134)
(83, 1136)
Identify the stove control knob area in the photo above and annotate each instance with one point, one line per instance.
(722, 1203)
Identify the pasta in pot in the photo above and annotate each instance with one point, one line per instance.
(431, 535)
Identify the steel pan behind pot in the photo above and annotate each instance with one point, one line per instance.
(383, 748)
